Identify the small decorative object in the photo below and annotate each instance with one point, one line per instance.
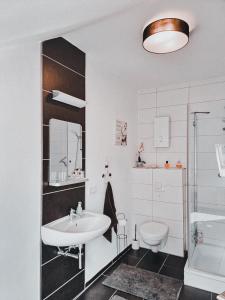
(135, 242)
(179, 165)
(140, 163)
(121, 133)
(167, 165)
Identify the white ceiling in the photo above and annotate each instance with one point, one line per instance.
(116, 43)
(111, 33)
(21, 19)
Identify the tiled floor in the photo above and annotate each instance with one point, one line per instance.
(162, 263)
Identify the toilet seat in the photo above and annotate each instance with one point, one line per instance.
(154, 231)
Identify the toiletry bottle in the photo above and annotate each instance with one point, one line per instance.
(79, 209)
(167, 165)
(179, 165)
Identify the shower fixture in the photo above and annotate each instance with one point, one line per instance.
(196, 113)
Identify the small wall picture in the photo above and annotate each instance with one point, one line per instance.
(121, 133)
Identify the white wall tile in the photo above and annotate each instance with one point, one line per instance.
(174, 246)
(148, 144)
(149, 157)
(169, 194)
(145, 130)
(172, 97)
(210, 178)
(208, 127)
(146, 115)
(177, 144)
(209, 92)
(169, 211)
(216, 109)
(176, 113)
(142, 206)
(168, 177)
(206, 143)
(142, 191)
(146, 100)
(206, 161)
(211, 195)
(178, 128)
(143, 176)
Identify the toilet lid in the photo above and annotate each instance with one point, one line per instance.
(154, 230)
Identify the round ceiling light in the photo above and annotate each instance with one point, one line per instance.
(165, 35)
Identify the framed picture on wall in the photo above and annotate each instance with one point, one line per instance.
(121, 133)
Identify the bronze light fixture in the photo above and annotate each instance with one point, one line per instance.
(165, 35)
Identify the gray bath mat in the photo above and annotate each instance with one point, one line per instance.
(144, 284)
(117, 298)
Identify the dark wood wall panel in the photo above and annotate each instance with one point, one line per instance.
(64, 70)
(54, 110)
(56, 77)
(62, 51)
(57, 205)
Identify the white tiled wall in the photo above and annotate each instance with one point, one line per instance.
(158, 195)
(172, 103)
(178, 102)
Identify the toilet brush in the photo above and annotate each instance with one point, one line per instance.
(135, 242)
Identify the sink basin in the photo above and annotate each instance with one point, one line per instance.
(78, 230)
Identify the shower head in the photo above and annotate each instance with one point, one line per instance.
(200, 112)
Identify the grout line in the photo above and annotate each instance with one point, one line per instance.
(52, 59)
(141, 258)
(76, 187)
(50, 260)
(113, 294)
(63, 284)
(163, 263)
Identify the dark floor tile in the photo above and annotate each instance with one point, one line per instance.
(172, 272)
(127, 296)
(152, 261)
(48, 252)
(70, 290)
(126, 259)
(175, 261)
(57, 272)
(97, 291)
(137, 253)
(189, 293)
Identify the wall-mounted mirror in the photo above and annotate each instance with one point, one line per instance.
(65, 147)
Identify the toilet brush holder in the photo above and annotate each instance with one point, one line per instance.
(135, 245)
(135, 242)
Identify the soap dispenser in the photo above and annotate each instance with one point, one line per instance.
(79, 209)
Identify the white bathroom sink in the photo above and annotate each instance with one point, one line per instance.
(69, 231)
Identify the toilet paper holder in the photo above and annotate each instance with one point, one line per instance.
(121, 236)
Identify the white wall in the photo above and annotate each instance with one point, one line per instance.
(20, 172)
(108, 99)
(159, 102)
(178, 101)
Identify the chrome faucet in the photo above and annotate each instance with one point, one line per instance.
(73, 214)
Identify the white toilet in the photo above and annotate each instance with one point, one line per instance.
(155, 235)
